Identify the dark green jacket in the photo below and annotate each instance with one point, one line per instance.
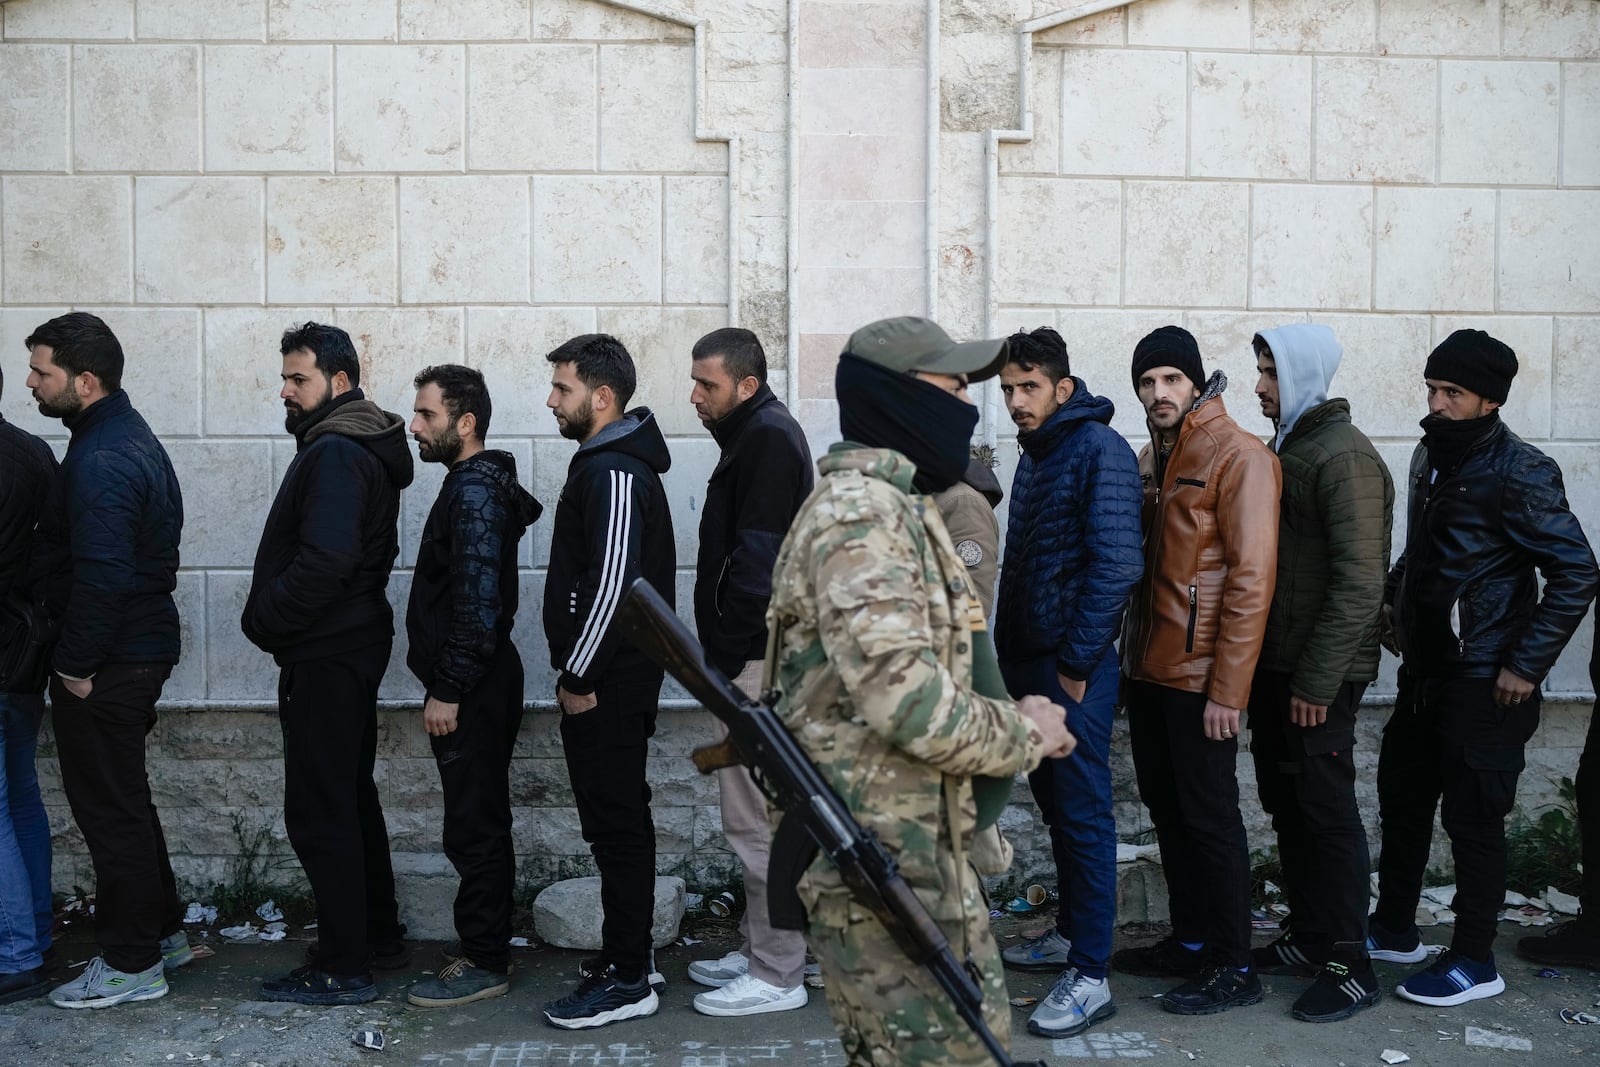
(1334, 529)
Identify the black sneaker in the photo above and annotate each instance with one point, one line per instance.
(597, 965)
(307, 985)
(1564, 946)
(1220, 987)
(1166, 958)
(1283, 956)
(20, 985)
(1338, 993)
(601, 999)
(462, 982)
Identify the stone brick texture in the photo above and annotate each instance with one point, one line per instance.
(477, 180)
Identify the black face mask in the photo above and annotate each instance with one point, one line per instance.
(1447, 440)
(881, 408)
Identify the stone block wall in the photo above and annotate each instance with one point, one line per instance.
(477, 180)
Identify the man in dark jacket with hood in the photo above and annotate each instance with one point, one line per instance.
(110, 528)
(1319, 653)
(463, 605)
(759, 482)
(1073, 557)
(612, 526)
(1488, 518)
(317, 603)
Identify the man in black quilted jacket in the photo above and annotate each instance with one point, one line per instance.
(317, 603)
(463, 605)
(113, 521)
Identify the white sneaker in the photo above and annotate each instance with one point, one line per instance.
(718, 973)
(749, 995)
(1075, 1003)
(101, 986)
(1047, 952)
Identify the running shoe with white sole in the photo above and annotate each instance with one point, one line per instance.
(102, 986)
(749, 995)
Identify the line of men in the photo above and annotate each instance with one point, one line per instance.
(1235, 575)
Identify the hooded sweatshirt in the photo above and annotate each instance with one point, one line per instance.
(1306, 356)
(464, 591)
(330, 539)
(612, 526)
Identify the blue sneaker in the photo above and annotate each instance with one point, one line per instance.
(1388, 946)
(1453, 979)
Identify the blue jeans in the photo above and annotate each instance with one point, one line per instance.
(25, 916)
(1074, 796)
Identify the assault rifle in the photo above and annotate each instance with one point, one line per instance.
(814, 816)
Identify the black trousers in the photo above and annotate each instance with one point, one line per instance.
(1306, 777)
(475, 771)
(1588, 787)
(329, 712)
(100, 742)
(605, 750)
(1448, 740)
(1191, 787)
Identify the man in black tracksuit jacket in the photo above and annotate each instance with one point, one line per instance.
(612, 525)
(463, 605)
(317, 603)
(114, 518)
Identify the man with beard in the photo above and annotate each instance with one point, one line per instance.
(1073, 556)
(1319, 653)
(1189, 651)
(110, 530)
(1488, 519)
(759, 482)
(317, 604)
(462, 607)
(885, 685)
(612, 526)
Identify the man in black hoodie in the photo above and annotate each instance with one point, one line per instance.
(110, 528)
(463, 604)
(756, 488)
(317, 604)
(612, 526)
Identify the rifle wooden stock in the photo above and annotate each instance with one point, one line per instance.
(760, 741)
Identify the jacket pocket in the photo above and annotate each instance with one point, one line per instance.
(1194, 617)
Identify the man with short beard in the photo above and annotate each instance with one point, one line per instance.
(110, 528)
(761, 478)
(317, 604)
(462, 608)
(1189, 651)
(612, 526)
(1464, 611)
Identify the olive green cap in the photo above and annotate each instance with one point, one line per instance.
(912, 344)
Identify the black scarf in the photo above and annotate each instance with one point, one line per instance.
(1447, 440)
(881, 408)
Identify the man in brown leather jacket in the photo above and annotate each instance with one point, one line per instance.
(1189, 651)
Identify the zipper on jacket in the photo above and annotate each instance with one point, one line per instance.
(1194, 610)
(1460, 625)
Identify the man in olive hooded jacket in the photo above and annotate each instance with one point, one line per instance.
(1319, 652)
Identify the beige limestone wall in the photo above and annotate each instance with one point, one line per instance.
(476, 180)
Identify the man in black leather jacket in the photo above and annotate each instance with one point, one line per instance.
(1488, 518)
(463, 605)
(317, 602)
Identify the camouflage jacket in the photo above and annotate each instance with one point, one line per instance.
(871, 616)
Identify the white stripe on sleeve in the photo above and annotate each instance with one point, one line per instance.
(609, 593)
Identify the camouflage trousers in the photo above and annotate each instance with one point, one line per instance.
(887, 1010)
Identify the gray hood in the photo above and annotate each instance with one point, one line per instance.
(1306, 355)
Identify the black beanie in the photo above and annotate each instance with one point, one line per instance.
(1169, 346)
(1474, 360)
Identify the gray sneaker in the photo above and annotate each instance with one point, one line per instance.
(175, 951)
(1075, 1003)
(101, 986)
(718, 973)
(1047, 952)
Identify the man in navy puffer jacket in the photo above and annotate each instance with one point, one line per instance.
(1073, 557)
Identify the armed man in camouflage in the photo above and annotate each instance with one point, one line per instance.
(873, 621)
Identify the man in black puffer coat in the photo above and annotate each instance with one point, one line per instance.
(115, 515)
(463, 605)
(317, 603)
(1488, 518)
(1074, 554)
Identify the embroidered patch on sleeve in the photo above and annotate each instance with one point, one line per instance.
(971, 553)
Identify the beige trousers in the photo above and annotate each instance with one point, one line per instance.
(776, 956)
